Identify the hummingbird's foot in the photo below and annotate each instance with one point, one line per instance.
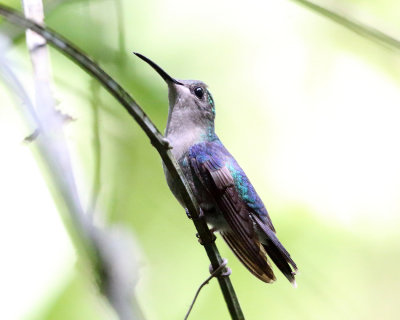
(222, 270)
(166, 143)
(201, 213)
(188, 213)
(214, 237)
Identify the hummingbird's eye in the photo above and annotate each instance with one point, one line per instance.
(199, 92)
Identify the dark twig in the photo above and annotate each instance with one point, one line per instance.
(354, 25)
(154, 135)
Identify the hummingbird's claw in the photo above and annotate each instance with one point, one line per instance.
(201, 213)
(222, 270)
(213, 230)
(166, 143)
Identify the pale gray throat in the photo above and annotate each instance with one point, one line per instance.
(186, 124)
(182, 134)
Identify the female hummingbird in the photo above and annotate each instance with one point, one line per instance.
(225, 195)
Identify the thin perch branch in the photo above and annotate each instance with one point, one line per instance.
(155, 137)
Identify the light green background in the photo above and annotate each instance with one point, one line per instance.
(309, 109)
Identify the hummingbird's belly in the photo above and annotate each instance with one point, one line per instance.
(210, 210)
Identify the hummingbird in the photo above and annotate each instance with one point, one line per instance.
(227, 199)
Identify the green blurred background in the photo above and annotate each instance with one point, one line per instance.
(309, 109)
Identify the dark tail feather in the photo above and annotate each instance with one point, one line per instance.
(278, 253)
(280, 261)
(253, 260)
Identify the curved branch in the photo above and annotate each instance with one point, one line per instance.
(152, 132)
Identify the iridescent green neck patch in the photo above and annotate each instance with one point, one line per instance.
(211, 101)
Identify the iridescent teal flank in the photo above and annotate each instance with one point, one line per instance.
(215, 153)
(241, 183)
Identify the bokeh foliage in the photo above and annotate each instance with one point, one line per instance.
(327, 171)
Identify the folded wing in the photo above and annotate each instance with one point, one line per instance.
(243, 235)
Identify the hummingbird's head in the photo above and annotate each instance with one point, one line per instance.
(189, 100)
(191, 96)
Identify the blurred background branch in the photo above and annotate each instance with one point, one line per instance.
(352, 24)
(156, 139)
(110, 252)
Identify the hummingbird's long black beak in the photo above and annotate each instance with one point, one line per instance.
(160, 71)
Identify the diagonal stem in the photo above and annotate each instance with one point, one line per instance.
(354, 25)
(151, 131)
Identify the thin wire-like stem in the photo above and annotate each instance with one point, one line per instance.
(97, 147)
(354, 25)
(121, 30)
(97, 163)
(215, 273)
(155, 137)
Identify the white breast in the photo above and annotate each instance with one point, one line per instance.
(182, 140)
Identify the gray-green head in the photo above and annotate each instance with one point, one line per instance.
(190, 103)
